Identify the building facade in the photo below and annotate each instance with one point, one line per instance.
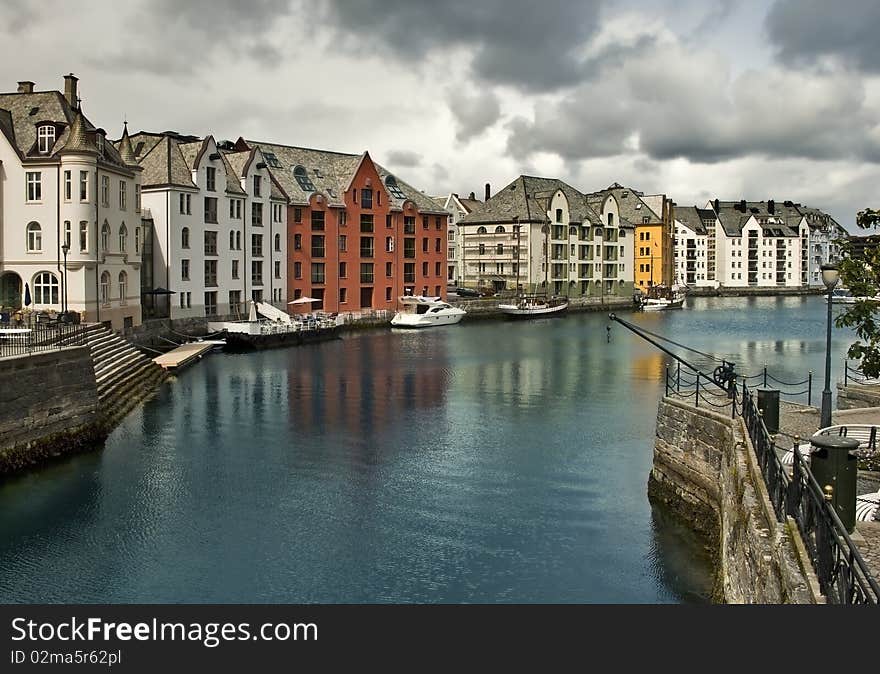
(694, 247)
(359, 237)
(457, 207)
(219, 225)
(65, 187)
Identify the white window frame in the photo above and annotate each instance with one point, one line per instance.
(44, 133)
(33, 187)
(34, 237)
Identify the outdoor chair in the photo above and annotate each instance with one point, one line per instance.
(866, 506)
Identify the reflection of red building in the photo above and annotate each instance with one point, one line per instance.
(358, 236)
(362, 384)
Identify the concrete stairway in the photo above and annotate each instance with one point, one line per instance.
(124, 375)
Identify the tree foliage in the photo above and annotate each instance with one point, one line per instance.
(861, 274)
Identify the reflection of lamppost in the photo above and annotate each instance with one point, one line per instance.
(830, 276)
(65, 249)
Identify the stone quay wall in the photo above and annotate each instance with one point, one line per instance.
(49, 407)
(705, 471)
(856, 396)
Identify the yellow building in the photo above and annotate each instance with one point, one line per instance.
(649, 258)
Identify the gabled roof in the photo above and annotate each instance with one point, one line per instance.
(693, 218)
(631, 206)
(330, 173)
(783, 222)
(163, 163)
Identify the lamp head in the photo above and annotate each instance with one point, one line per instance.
(830, 275)
(65, 248)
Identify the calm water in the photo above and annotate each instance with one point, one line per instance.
(485, 462)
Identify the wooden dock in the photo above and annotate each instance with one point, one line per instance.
(183, 355)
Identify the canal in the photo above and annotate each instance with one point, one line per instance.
(485, 462)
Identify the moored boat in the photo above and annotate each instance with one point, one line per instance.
(529, 306)
(419, 311)
(280, 329)
(660, 298)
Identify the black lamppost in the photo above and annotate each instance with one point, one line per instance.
(830, 276)
(65, 249)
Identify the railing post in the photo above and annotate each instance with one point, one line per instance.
(666, 380)
(678, 378)
(697, 399)
(733, 402)
(845, 372)
(810, 389)
(765, 375)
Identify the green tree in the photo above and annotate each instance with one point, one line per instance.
(861, 274)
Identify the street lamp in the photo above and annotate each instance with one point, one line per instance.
(830, 276)
(65, 249)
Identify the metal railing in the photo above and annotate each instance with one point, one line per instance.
(855, 375)
(795, 389)
(25, 340)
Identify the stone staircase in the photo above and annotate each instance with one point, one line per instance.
(124, 375)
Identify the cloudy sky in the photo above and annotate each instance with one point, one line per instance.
(697, 99)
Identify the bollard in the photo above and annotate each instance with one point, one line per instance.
(834, 465)
(768, 404)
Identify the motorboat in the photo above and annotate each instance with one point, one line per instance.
(844, 296)
(660, 298)
(528, 306)
(418, 311)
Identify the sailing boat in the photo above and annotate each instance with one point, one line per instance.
(529, 306)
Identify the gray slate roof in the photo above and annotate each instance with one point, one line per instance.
(632, 208)
(21, 113)
(692, 218)
(733, 218)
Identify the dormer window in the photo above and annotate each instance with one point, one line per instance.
(394, 188)
(99, 141)
(45, 138)
(302, 179)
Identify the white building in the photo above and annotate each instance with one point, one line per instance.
(826, 238)
(457, 207)
(694, 247)
(63, 185)
(541, 235)
(219, 227)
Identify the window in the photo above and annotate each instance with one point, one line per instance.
(481, 230)
(123, 286)
(277, 243)
(317, 272)
(211, 303)
(409, 247)
(68, 186)
(343, 270)
(366, 198)
(105, 288)
(231, 240)
(256, 245)
(409, 272)
(276, 212)
(123, 238)
(302, 179)
(394, 189)
(366, 272)
(257, 273)
(342, 295)
(45, 138)
(424, 222)
(257, 185)
(387, 294)
(297, 270)
(123, 201)
(437, 223)
(83, 185)
(235, 209)
(317, 221)
(235, 269)
(67, 233)
(105, 191)
(367, 249)
(389, 244)
(210, 243)
(646, 219)
(611, 219)
(105, 237)
(34, 238)
(257, 215)
(210, 273)
(436, 269)
(184, 270)
(184, 237)
(343, 243)
(277, 269)
(238, 240)
(83, 236)
(34, 180)
(297, 215)
(482, 249)
(389, 221)
(342, 218)
(210, 209)
(409, 224)
(45, 288)
(318, 249)
(389, 269)
(366, 222)
(297, 241)
(235, 302)
(137, 198)
(211, 179)
(558, 215)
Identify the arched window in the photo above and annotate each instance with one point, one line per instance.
(611, 219)
(238, 240)
(302, 179)
(105, 237)
(123, 238)
(184, 237)
(481, 230)
(105, 288)
(394, 189)
(500, 249)
(34, 238)
(45, 288)
(573, 231)
(621, 233)
(231, 240)
(277, 243)
(499, 229)
(45, 138)
(123, 285)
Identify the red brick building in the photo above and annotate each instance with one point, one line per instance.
(358, 236)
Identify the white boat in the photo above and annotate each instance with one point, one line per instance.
(526, 306)
(844, 296)
(419, 311)
(660, 298)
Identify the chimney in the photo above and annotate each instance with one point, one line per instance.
(717, 205)
(25, 87)
(771, 206)
(472, 197)
(70, 89)
(742, 205)
(488, 191)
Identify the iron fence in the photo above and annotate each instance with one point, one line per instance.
(855, 375)
(21, 341)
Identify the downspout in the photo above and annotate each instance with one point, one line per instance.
(97, 248)
(58, 231)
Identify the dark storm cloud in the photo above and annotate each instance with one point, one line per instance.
(532, 45)
(404, 158)
(183, 37)
(805, 31)
(473, 114)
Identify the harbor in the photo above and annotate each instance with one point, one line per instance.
(456, 464)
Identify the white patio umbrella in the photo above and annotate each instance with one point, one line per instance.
(252, 314)
(304, 300)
